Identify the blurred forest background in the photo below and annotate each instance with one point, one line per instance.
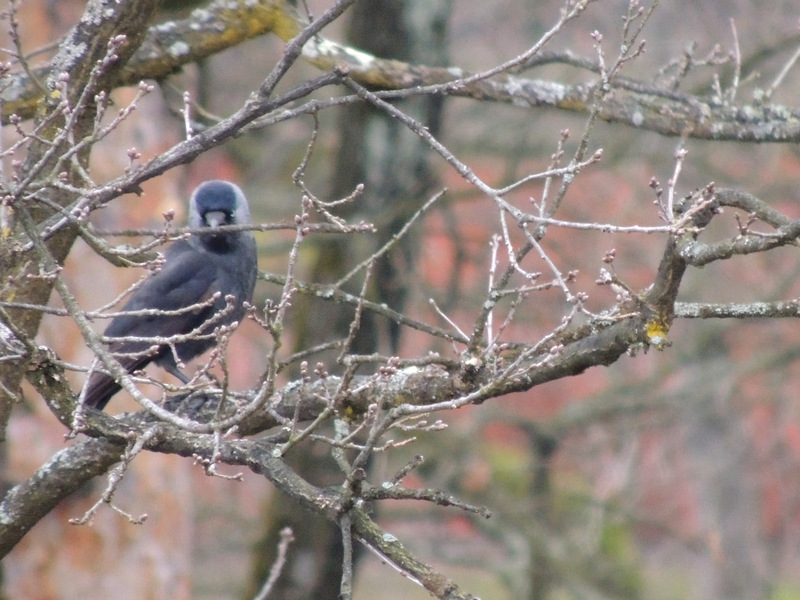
(668, 475)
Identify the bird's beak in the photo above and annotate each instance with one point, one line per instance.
(215, 218)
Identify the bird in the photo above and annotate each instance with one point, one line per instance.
(198, 272)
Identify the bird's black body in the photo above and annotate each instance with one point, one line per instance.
(221, 263)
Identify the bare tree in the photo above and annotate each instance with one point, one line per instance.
(471, 342)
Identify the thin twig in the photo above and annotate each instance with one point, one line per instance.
(287, 537)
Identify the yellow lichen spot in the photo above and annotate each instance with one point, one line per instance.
(657, 334)
(286, 25)
(55, 95)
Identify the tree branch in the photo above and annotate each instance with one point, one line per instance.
(169, 46)
(66, 472)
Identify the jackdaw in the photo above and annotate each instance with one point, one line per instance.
(199, 272)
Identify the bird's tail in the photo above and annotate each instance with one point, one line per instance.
(100, 389)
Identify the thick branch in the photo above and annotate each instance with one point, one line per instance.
(66, 472)
(169, 46)
(780, 309)
(639, 105)
(437, 584)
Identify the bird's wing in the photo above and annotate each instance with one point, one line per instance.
(187, 278)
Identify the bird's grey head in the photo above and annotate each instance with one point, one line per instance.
(216, 203)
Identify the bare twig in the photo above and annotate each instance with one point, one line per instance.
(115, 478)
(287, 537)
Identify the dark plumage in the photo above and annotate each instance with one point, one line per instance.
(194, 270)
